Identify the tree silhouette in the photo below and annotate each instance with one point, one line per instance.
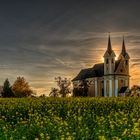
(21, 88)
(54, 92)
(7, 91)
(64, 87)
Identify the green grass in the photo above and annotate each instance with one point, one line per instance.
(70, 119)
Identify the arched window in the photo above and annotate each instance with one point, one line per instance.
(106, 61)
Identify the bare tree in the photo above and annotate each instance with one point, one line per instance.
(54, 92)
(64, 86)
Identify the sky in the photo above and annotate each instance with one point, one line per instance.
(43, 39)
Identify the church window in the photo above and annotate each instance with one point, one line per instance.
(112, 61)
(106, 61)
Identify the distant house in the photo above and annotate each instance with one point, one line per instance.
(109, 78)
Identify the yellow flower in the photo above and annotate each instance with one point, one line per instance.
(42, 135)
(124, 133)
(102, 138)
(69, 138)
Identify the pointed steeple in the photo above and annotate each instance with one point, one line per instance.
(124, 52)
(123, 48)
(109, 47)
(109, 51)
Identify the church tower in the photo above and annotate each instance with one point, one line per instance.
(109, 59)
(123, 69)
(109, 68)
(110, 78)
(124, 57)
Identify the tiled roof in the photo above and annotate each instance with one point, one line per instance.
(117, 64)
(96, 71)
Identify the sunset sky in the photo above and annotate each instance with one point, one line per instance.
(43, 39)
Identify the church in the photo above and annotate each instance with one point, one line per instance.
(108, 79)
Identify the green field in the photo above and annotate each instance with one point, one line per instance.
(70, 119)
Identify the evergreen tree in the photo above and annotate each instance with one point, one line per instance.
(7, 91)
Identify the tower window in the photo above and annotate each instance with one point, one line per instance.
(121, 70)
(106, 61)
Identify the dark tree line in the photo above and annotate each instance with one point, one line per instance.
(20, 88)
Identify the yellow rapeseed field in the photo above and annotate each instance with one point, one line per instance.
(69, 119)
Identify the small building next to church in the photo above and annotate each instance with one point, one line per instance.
(108, 79)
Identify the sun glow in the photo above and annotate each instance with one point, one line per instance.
(116, 58)
(102, 59)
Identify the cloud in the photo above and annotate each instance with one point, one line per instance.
(42, 40)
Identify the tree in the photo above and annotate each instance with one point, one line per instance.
(21, 88)
(135, 91)
(82, 90)
(84, 85)
(54, 92)
(64, 87)
(7, 90)
(77, 92)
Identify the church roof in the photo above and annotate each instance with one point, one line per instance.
(96, 71)
(117, 62)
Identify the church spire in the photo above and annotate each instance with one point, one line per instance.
(123, 48)
(109, 47)
(124, 53)
(109, 51)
